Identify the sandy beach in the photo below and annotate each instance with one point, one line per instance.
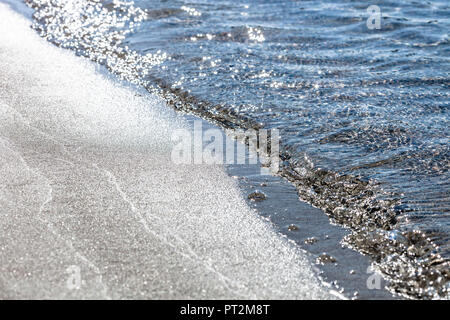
(87, 186)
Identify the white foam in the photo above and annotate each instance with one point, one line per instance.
(86, 181)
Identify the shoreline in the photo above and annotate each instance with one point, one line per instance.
(323, 153)
(86, 186)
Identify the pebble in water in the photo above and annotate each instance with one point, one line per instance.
(257, 196)
(325, 258)
(311, 240)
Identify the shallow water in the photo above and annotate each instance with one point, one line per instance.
(370, 103)
(363, 114)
